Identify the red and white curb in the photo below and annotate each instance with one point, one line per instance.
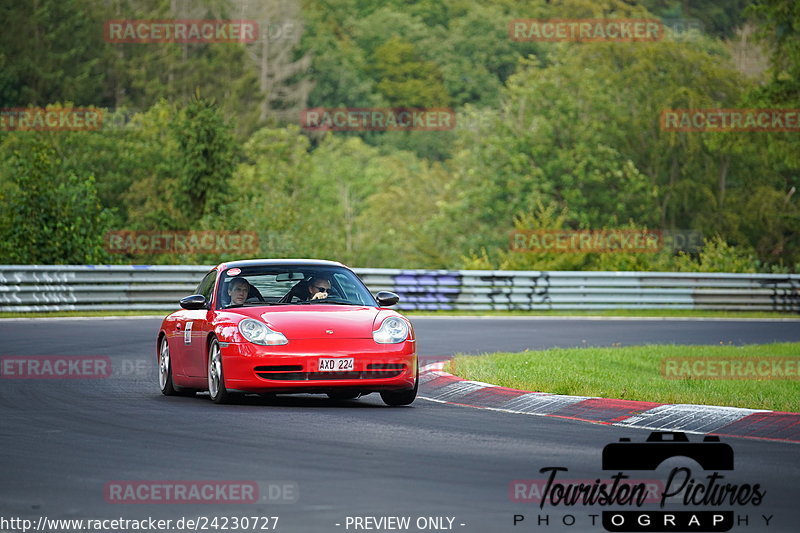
(439, 386)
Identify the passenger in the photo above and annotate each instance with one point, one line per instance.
(238, 289)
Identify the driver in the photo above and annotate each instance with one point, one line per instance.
(318, 288)
(315, 288)
(238, 289)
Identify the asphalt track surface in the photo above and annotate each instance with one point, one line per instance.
(63, 441)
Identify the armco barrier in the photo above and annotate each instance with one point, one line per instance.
(28, 288)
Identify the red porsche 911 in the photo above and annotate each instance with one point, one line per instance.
(287, 326)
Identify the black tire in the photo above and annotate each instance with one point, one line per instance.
(216, 376)
(343, 395)
(402, 397)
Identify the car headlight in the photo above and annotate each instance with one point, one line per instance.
(392, 331)
(259, 333)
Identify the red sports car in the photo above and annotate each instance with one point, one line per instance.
(287, 326)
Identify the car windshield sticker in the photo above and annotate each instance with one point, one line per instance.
(234, 271)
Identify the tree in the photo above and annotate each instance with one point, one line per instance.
(50, 214)
(779, 29)
(144, 73)
(52, 51)
(405, 79)
(282, 78)
(583, 132)
(208, 152)
(720, 19)
(272, 195)
(188, 156)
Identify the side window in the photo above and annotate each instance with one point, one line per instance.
(207, 285)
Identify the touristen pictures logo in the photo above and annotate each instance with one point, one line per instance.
(686, 500)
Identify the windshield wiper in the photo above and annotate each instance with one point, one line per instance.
(254, 304)
(322, 301)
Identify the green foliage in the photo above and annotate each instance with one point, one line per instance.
(50, 214)
(405, 79)
(143, 74)
(477, 56)
(720, 19)
(189, 155)
(548, 135)
(51, 51)
(719, 256)
(207, 158)
(271, 195)
(779, 29)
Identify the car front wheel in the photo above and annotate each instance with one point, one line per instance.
(402, 397)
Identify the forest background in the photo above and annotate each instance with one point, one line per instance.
(549, 135)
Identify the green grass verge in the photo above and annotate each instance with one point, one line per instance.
(635, 373)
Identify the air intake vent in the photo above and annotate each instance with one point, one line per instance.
(326, 376)
(386, 366)
(278, 368)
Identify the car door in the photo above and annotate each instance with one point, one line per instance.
(195, 327)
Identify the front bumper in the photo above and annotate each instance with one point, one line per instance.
(294, 367)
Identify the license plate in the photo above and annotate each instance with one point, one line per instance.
(335, 364)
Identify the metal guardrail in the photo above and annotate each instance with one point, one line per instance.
(30, 288)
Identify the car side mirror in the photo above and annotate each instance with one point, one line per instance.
(195, 301)
(386, 298)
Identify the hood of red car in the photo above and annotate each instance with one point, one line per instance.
(316, 321)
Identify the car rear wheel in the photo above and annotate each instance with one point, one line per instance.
(165, 369)
(168, 388)
(216, 378)
(402, 397)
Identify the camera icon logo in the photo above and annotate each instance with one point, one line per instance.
(711, 454)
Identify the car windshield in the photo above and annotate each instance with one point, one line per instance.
(307, 285)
